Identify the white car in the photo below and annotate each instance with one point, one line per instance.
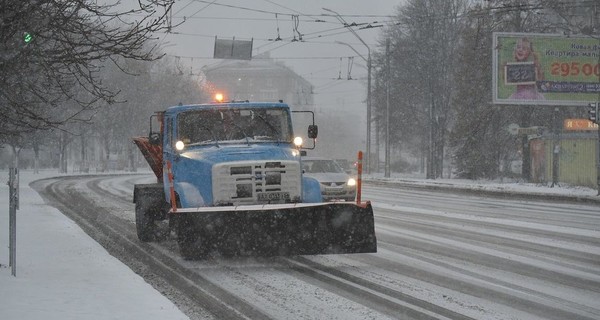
(336, 184)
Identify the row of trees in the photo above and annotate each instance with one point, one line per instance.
(73, 72)
(438, 71)
(107, 128)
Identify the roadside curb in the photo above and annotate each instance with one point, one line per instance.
(485, 191)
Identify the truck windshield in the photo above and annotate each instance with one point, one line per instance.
(233, 126)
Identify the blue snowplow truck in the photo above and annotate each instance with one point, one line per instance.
(230, 182)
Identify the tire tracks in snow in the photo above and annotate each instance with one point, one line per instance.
(161, 266)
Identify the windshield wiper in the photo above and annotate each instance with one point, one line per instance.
(242, 131)
(270, 127)
(214, 137)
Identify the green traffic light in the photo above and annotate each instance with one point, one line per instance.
(27, 37)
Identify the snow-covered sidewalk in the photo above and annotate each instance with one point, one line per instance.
(61, 273)
(560, 191)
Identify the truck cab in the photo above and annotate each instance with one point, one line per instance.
(237, 153)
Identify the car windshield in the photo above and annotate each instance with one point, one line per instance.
(321, 166)
(233, 126)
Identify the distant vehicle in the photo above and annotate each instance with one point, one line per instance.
(347, 165)
(336, 184)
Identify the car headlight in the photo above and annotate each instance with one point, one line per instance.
(351, 182)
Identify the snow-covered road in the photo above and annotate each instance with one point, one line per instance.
(523, 259)
(440, 256)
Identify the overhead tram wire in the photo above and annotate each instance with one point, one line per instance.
(312, 20)
(298, 12)
(259, 58)
(270, 50)
(319, 35)
(286, 13)
(309, 37)
(244, 8)
(315, 20)
(346, 27)
(507, 8)
(260, 19)
(502, 9)
(181, 9)
(285, 42)
(201, 9)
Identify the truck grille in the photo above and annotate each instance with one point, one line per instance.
(256, 182)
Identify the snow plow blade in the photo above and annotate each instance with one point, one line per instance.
(276, 230)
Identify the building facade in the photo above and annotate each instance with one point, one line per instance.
(260, 79)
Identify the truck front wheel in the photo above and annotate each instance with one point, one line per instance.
(144, 222)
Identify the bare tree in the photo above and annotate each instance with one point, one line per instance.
(52, 51)
(424, 45)
(141, 94)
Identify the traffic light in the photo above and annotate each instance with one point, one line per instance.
(593, 112)
(27, 37)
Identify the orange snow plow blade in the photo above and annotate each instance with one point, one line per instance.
(276, 230)
(152, 153)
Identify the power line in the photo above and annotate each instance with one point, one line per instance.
(274, 58)
(311, 37)
(284, 13)
(504, 8)
(187, 5)
(244, 8)
(565, 4)
(206, 6)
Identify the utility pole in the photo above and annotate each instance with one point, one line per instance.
(387, 108)
(13, 186)
(555, 147)
(598, 153)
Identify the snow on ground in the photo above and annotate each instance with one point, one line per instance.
(61, 273)
(505, 185)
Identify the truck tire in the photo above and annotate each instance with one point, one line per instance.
(150, 206)
(144, 223)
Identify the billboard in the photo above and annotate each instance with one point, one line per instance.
(545, 69)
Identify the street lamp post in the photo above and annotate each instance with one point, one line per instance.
(368, 60)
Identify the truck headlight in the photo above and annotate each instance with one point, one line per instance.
(351, 182)
(298, 141)
(179, 145)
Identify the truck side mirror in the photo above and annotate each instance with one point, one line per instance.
(313, 131)
(155, 138)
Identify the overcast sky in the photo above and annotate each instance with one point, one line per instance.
(261, 19)
(316, 58)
